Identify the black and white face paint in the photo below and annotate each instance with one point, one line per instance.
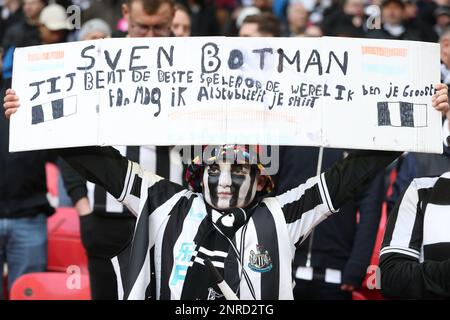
(227, 186)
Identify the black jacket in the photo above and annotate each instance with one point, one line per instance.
(23, 187)
(339, 242)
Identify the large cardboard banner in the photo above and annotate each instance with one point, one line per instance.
(337, 92)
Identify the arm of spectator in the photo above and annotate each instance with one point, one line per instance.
(82, 206)
(100, 165)
(76, 188)
(350, 177)
(74, 183)
(123, 179)
(369, 204)
(403, 276)
(402, 273)
(307, 205)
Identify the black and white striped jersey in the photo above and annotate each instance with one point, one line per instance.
(176, 229)
(164, 161)
(415, 254)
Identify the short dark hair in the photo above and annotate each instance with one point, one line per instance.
(151, 6)
(399, 3)
(267, 23)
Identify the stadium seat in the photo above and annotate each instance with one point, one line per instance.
(52, 173)
(51, 286)
(64, 243)
(358, 296)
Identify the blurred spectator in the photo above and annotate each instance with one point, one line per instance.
(181, 24)
(24, 204)
(237, 18)
(10, 13)
(442, 15)
(262, 25)
(332, 262)
(318, 9)
(203, 17)
(94, 29)
(444, 41)
(109, 11)
(412, 20)
(263, 5)
(21, 34)
(313, 31)
(148, 18)
(347, 21)
(53, 24)
(224, 10)
(24, 208)
(392, 23)
(298, 19)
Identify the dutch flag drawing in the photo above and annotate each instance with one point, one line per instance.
(402, 114)
(54, 110)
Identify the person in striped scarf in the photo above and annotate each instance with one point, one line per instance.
(228, 218)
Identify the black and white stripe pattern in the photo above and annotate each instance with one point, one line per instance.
(176, 231)
(54, 110)
(162, 160)
(402, 114)
(419, 224)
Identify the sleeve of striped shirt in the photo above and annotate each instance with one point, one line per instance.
(73, 182)
(122, 178)
(305, 206)
(403, 231)
(104, 166)
(139, 183)
(310, 203)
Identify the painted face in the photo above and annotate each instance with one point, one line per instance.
(227, 186)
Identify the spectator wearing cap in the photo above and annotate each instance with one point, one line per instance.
(392, 23)
(54, 24)
(94, 29)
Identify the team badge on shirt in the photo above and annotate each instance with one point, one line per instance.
(260, 261)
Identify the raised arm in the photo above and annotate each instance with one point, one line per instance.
(104, 166)
(307, 205)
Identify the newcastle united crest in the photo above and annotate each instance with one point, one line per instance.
(260, 261)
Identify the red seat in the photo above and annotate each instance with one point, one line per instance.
(358, 296)
(52, 173)
(51, 286)
(64, 242)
